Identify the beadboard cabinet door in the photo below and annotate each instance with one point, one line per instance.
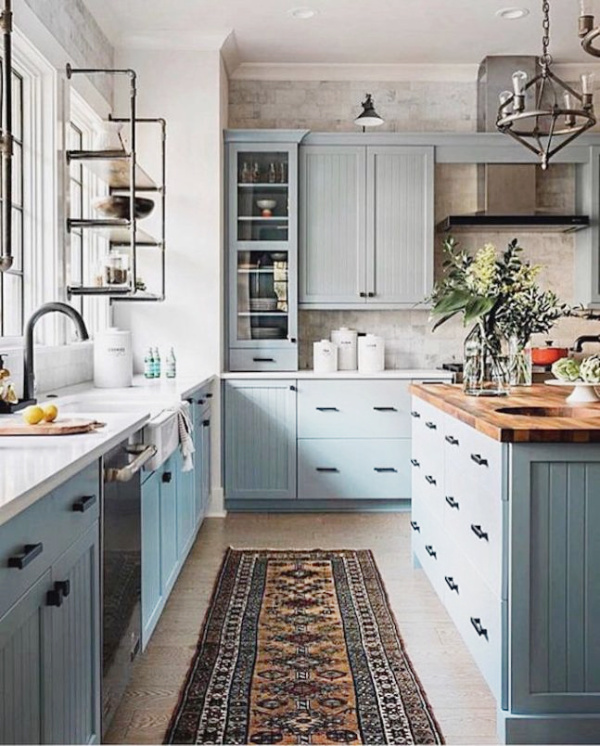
(400, 224)
(260, 440)
(366, 226)
(333, 193)
(22, 662)
(72, 708)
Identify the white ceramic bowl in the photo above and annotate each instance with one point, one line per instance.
(266, 204)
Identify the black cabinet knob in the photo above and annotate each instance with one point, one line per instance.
(362, 295)
(62, 589)
(205, 423)
(209, 396)
(370, 295)
(84, 503)
(293, 388)
(29, 553)
(167, 477)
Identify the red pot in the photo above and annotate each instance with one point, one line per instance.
(547, 355)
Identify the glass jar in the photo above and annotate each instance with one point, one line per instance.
(486, 370)
(116, 269)
(520, 362)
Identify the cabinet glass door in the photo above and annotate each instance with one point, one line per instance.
(262, 187)
(263, 301)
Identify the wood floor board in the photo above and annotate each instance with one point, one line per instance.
(461, 701)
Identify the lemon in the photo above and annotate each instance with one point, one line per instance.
(50, 412)
(33, 414)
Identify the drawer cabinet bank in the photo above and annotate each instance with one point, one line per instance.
(317, 444)
(506, 525)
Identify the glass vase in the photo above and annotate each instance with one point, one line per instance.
(486, 370)
(519, 362)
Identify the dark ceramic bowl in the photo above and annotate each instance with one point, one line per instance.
(117, 206)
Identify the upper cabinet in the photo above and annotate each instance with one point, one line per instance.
(263, 251)
(366, 225)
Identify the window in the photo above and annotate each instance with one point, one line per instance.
(86, 248)
(12, 291)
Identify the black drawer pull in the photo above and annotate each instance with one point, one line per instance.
(431, 551)
(452, 440)
(431, 425)
(479, 628)
(61, 590)
(328, 469)
(30, 552)
(263, 359)
(385, 409)
(414, 462)
(370, 295)
(200, 402)
(450, 583)
(293, 388)
(415, 414)
(415, 526)
(167, 477)
(327, 409)
(430, 479)
(362, 295)
(479, 460)
(452, 502)
(209, 396)
(385, 469)
(84, 503)
(479, 533)
(205, 423)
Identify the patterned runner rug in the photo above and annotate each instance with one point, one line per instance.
(301, 647)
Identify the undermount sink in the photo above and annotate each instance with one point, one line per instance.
(571, 412)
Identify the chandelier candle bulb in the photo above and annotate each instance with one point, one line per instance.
(568, 102)
(505, 102)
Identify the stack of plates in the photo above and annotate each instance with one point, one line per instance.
(267, 332)
(263, 304)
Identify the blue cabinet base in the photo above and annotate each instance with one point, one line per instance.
(548, 729)
(317, 506)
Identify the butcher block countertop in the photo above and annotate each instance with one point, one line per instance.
(560, 423)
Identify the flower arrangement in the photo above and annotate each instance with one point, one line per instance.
(497, 290)
(498, 293)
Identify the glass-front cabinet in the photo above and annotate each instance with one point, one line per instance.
(262, 251)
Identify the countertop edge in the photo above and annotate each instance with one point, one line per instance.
(28, 498)
(400, 374)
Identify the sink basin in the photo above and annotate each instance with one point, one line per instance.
(572, 412)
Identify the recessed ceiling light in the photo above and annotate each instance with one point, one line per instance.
(302, 13)
(512, 14)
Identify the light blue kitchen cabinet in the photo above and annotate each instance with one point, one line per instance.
(366, 226)
(333, 194)
(151, 555)
(50, 660)
(23, 664)
(169, 554)
(260, 439)
(72, 706)
(186, 506)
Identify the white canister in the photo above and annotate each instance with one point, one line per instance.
(346, 340)
(325, 357)
(371, 354)
(113, 359)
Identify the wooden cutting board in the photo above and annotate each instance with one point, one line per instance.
(16, 426)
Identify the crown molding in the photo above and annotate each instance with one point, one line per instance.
(355, 72)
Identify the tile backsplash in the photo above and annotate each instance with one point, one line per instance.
(55, 367)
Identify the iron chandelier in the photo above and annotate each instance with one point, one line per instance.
(558, 113)
(587, 32)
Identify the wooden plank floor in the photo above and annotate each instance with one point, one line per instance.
(456, 690)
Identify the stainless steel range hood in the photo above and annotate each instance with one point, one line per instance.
(507, 192)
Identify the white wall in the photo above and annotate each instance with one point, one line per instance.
(188, 89)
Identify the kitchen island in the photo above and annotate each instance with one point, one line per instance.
(506, 524)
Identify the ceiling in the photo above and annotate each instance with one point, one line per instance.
(343, 31)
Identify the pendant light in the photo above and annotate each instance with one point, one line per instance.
(587, 32)
(368, 117)
(558, 113)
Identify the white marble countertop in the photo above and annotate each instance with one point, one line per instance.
(32, 466)
(400, 373)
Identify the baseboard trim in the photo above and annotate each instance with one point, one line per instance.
(216, 504)
(318, 506)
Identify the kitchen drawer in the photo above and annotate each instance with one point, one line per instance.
(47, 528)
(262, 360)
(354, 409)
(353, 469)
(477, 613)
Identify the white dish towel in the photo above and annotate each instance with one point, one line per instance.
(186, 441)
